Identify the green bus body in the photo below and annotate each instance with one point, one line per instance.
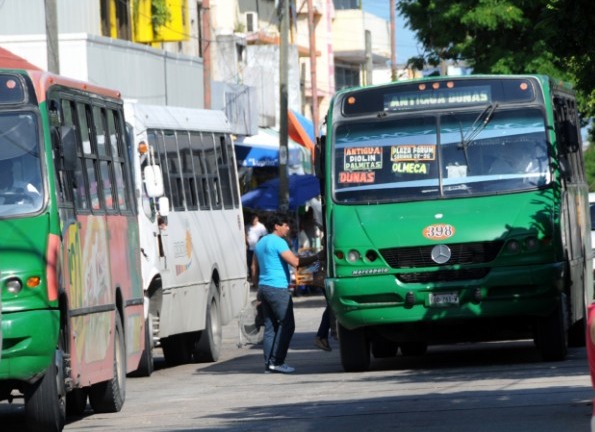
(72, 298)
(431, 240)
(31, 321)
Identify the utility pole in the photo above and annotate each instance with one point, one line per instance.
(313, 78)
(51, 32)
(369, 60)
(206, 51)
(283, 129)
(393, 41)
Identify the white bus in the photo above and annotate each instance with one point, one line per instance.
(191, 229)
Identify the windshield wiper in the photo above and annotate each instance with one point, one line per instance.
(479, 124)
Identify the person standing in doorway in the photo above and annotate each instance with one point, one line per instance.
(270, 269)
(254, 231)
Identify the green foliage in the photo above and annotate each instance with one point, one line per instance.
(590, 166)
(160, 14)
(550, 37)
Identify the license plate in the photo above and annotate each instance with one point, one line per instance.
(444, 299)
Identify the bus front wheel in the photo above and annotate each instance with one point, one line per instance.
(45, 400)
(355, 349)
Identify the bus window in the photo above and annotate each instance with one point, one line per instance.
(223, 169)
(189, 180)
(200, 170)
(173, 166)
(212, 172)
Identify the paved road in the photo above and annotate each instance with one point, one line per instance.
(496, 387)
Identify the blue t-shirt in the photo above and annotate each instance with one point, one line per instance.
(274, 270)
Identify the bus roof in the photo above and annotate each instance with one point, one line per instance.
(43, 80)
(178, 118)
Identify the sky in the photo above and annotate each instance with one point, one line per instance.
(407, 45)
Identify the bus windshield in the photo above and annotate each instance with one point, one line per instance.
(484, 150)
(21, 190)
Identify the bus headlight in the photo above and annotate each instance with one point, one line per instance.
(14, 286)
(531, 243)
(353, 256)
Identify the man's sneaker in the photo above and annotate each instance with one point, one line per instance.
(283, 368)
(322, 344)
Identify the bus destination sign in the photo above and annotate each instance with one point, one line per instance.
(442, 97)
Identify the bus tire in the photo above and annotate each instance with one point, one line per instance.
(109, 396)
(146, 365)
(45, 400)
(209, 344)
(551, 337)
(355, 349)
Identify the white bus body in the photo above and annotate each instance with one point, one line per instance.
(193, 255)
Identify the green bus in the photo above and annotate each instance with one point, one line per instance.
(456, 210)
(72, 298)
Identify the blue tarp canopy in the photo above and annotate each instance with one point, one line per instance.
(266, 196)
(262, 150)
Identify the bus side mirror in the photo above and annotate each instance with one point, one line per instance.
(319, 156)
(153, 181)
(68, 144)
(163, 204)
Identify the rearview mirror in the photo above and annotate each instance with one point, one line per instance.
(153, 181)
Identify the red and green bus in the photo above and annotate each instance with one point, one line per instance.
(456, 210)
(72, 298)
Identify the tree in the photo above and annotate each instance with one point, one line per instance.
(492, 36)
(511, 36)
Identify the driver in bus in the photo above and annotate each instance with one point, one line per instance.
(13, 191)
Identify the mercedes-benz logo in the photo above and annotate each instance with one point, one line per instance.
(441, 254)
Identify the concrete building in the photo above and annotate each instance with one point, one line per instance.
(162, 59)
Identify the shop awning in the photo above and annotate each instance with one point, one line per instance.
(262, 150)
(301, 130)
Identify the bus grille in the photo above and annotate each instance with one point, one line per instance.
(443, 275)
(462, 253)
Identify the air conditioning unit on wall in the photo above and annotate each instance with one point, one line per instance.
(251, 21)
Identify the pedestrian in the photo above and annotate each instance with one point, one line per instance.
(270, 269)
(254, 231)
(321, 340)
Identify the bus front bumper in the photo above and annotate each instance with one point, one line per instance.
(28, 343)
(529, 291)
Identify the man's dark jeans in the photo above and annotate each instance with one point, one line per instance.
(279, 323)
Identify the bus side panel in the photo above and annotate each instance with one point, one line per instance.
(125, 272)
(88, 284)
(186, 284)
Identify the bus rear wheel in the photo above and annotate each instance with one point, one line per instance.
(45, 400)
(146, 365)
(209, 344)
(108, 396)
(355, 349)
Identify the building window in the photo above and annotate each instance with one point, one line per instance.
(348, 4)
(346, 76)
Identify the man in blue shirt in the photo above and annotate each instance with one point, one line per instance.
(270, 267)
